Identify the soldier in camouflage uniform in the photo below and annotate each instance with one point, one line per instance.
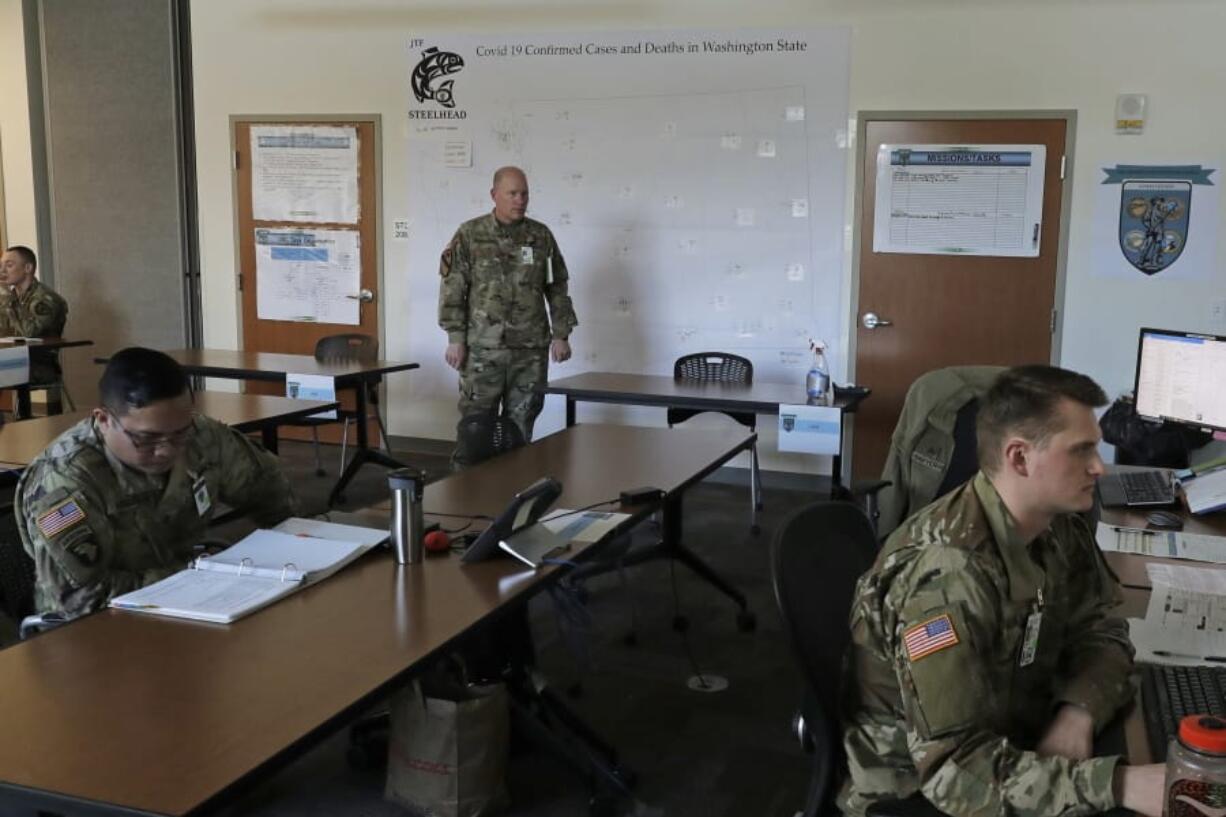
(31, 309)
(498, 273)
(120, 500)
(984, 652)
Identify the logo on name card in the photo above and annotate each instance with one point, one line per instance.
(428, 77)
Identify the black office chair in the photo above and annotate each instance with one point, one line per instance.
(484, 435)
(722, 367)
(17, 579)
(817, 555)
(351, 347)
(899, 498)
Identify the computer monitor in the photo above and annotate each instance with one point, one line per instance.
(1181, 377)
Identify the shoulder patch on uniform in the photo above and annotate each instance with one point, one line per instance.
(42, 308)
(931, 636)
(60, 518)
(444, 266)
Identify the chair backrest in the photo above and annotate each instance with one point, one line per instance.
(817, 555)
(940, 404)
(481, 436)
(721, 367)
(350, 347)
(713, 367)
(16, 569)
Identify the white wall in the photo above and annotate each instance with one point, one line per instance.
(272, 56)
(20, 224)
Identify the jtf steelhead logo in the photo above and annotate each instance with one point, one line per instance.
(433, 66)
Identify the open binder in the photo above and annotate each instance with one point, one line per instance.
(264, 567)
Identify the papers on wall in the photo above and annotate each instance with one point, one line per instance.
(1169, 544)
(308, 275)
(810, 429)
(304, 174)
(312, 387)
(264, 567)
(14, 366)
(964, 200)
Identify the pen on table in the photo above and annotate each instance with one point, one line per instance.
(123, 605)
(1141, 531)
(1168, 654)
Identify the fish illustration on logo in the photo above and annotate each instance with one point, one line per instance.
(435, 64)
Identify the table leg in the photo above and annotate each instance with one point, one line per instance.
(364, 452)
(268, 434)
(570, 411)
(24, 410)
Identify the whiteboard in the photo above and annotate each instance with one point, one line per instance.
(694, 181)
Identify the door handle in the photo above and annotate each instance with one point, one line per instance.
(871, 321)
(364, 295)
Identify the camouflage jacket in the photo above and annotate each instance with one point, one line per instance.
(39, 313)
(923, 441)
(97, 528)
(943, 692)
(495, 282)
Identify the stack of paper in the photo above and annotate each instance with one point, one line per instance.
(1186, 619)
(262, 568)
(1198, 547)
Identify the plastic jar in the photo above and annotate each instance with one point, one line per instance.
(1196, 768)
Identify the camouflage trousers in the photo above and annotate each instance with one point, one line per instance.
(505, 382)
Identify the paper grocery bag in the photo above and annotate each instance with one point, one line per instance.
(447, 758)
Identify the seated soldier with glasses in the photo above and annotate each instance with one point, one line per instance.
(121, 499)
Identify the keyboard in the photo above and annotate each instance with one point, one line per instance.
(1168, 694)
(1136, 488)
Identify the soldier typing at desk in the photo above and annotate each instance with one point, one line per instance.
(984, 651)
(119, 500)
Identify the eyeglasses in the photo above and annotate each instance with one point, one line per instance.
(144, 441)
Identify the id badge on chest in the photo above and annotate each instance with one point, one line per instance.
(525, 255)
(200, 491)
(1030, 638)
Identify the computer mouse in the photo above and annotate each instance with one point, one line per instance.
(1164, 519)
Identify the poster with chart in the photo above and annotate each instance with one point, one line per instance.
(694, 181)
(957, 199)
(307, 275)
(304, 173)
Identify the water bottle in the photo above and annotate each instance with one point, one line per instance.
(1196, 767)
(407, 486)
(817, 381)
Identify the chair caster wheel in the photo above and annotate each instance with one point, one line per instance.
(681, 623)
(746, 621)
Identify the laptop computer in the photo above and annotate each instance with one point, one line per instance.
(1136, 489)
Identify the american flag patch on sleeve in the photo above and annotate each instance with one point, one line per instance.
(60, 518)
(933, 635)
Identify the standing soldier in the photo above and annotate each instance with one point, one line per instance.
(498, 273)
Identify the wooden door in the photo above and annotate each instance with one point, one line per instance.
(295, 336)
(948, 310)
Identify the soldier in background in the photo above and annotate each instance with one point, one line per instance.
(498, 273)
(120, 500)
(31, 309)
(984, 653)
